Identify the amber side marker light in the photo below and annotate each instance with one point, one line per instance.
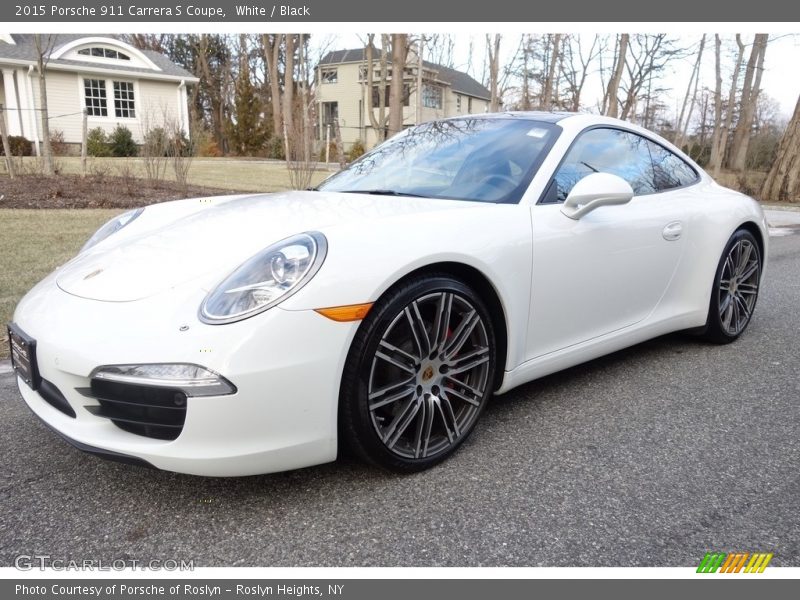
(351, 312)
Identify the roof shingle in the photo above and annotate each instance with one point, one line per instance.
(458, 80)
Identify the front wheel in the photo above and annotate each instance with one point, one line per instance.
(736, 286)
(418, 375)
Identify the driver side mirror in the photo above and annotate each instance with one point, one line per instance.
(594, 191)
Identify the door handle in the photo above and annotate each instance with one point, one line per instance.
(673, 231)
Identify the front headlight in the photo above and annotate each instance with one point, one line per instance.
(113, 226)
(268, 278)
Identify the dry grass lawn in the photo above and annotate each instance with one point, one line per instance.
(33, 243)
(242, 174)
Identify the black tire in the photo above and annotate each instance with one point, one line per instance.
(445, 406)
(736, 301)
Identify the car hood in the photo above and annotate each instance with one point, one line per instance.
(205, 239)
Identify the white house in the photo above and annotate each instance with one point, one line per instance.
(342, 89)
(115, 82)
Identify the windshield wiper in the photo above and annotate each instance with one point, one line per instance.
(383, 193)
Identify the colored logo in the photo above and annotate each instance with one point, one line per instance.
(734, 562)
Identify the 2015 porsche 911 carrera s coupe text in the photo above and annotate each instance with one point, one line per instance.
(250, 334)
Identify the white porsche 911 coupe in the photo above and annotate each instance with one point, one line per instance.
(250, 334)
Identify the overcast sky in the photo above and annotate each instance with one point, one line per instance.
(781, 78)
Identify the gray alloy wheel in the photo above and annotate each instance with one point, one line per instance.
(429, 375)
(418, 375)
(736, 287)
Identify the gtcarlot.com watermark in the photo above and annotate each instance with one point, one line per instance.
(30, 562)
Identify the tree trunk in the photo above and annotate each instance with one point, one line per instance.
(547, 93)
(272, 53)
(752, 87)
(399, 49)
(9, 160)
(724, 134)
(288, 95)
(715, 139)
(42, 57)
(783, 181)
(683, 126)
(493, 50)
(611, 102)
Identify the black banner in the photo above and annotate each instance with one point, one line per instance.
(397, 589)
(328, 11)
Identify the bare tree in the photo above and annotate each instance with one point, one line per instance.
(44, 46)
(647, 56)
(549, 80)
(749, 100)
(378, 123)
(300, 160)
(718, 156)
(271, 46)
(9, 160)
(493, 56)
(783, 180)
(717, 135)
(610, 100)
(288, 95)
(574, 67)
(689, 98)
(399, 52)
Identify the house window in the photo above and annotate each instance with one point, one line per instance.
(458, 103)
(330, 113)
(99, 52)
(94, 91)
(96, 98)
(124, 100)
(329, 75)
(431, 96)
(469, 105)
(376, 96)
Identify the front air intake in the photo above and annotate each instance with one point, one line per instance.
(146, 410)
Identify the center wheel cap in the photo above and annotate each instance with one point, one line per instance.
(427, 374)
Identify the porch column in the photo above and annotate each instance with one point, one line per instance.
(13, 117)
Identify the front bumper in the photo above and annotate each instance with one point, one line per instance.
(286, 366)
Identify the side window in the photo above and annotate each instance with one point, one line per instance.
(670, 171)
(606, 151)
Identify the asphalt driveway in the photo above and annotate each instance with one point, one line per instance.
(652, 456)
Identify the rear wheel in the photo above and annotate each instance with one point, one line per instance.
(418, 375)
(736, 287)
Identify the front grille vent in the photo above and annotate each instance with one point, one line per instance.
(149, 411)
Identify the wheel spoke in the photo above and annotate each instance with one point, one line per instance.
(448, 416)
(418, 329)
(723, 306)
(727, 313)
(742, 305)
(398, 357)
(469, 394)
(388, 399)
(442, 322)
(745, 250)
(470, 361)
(461, 334)
(748, 288)
(424, 427)
(749, 272)
(393, 387)
(405, 416)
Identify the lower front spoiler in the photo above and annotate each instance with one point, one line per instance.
(102, 453)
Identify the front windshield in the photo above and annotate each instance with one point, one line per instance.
(486, 160)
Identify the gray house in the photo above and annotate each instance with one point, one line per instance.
(341, 94)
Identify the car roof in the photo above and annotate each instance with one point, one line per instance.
(532, 115)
